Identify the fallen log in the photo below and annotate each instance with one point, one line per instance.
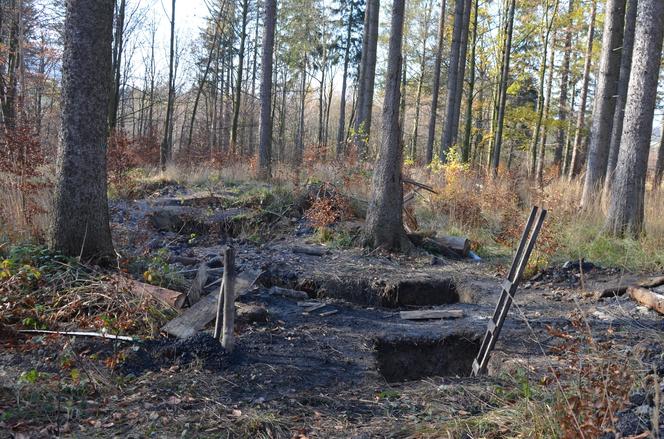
(653, 282)
(172, 298)
(612, 292)
(431, 314)
(452, 247)
(647, 298)
(199, 315)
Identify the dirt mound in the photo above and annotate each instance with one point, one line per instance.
(158, 354)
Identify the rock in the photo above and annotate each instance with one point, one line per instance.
(247, 313)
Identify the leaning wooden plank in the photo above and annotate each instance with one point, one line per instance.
(647, 298)
(175, 299)
(429, 314)
(653, 282)
(81, 334)
(203, 312)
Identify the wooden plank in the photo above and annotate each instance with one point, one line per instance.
(80, 334)
(172, 298)
(429, 314)
(199, 315)
(328, 313)
(647, 298)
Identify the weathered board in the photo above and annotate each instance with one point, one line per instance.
(204, 311)
(430, 314)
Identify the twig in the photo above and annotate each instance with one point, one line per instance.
(81, 334)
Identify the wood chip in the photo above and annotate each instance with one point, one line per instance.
(328, 313)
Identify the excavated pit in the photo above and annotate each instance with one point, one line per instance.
(405, 358)
(388, 293)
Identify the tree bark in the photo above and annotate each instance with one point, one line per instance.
(659, 165)
(626, 208)
(623, 83)
(265, 143)
(453, 78)
(605, 100)
(367, 78)
(563, 108)
(436, 85)
(581, 119)
(80, 218)
(384, 225)
(341, 131)
(547, 108)
(166, 149)
(502, 93)
(238, 79)
(465, 151)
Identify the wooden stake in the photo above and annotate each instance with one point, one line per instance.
(229, 299)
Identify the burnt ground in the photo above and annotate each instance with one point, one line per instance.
(351, 368)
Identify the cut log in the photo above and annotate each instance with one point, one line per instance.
(311, 251)
(612, 292)
(439, 247)
(198, 316)
(653, 282)
(458, 244)
(430, 314)
(172, 298)
(647, 298)
(417, 238)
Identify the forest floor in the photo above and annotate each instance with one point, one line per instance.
(343, 364)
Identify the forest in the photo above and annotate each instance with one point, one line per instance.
(331, 218)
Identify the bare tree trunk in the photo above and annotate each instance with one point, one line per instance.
(341, 131)
(548, 23)
(605, 100)
(563, 109)
(502, 93)
(453, 78)
(80, 218)
(465, 151)
(626, 208)
(581, 120)
(436, 85)
(299, 141)
(384, 225)
(118, 41)
(238, 79)
(659, 165)
(623, 83)
(367, 78)
(265, 142)
(547, 108)
(166, 149)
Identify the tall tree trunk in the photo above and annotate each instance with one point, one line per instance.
(626, 208)
(80, 218)
(547, 108)
(563, 109)
(118, 41)
(368, 76)
(453, 78)
(341, 131)
(659, 164)
(384, 224)
(265, 142)
(623, 83)
(436, 85)
(465, 150)
(402, 104)
(581, 119)
(548, 24)
(502, 93)
(238, 79)
(299, 140)
(605, 100)
(166, 150)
